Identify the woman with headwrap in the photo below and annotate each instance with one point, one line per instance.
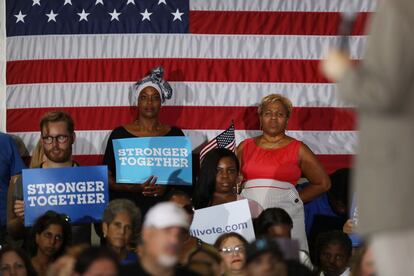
(148, 95)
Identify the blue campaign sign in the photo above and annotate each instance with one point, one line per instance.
(167, 158)
(81, 193)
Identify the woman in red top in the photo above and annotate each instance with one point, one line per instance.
(273, 162)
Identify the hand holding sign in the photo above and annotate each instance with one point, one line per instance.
(150, 188)
(348, 227)
(19, 208)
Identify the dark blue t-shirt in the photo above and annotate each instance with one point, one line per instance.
(10, 165)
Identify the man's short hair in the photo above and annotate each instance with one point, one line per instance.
(57, 116)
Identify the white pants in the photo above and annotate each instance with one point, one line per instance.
(271, 193)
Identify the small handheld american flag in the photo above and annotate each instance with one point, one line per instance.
(226, 139)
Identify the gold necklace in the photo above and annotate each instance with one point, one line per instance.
(273, 144)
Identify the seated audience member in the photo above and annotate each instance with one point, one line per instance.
(263, 257)
(15, 262)
(64, 265)
(120, 223)
(11, 166)
(184, 201)
(333, 253)
(57, 136)
(49, 237)
(295, 268)
(232, 248)
(205, 260)
(329, 211)
(218, 180)
(363, 262)
(163, 233)
(276, 223)
(96, 261)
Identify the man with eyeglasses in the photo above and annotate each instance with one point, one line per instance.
(57, 138)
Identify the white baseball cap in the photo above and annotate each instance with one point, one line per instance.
(166, 214)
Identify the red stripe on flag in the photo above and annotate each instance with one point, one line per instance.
(188, 117)
(272, 23)
(203, 70)
(330, 162)
(336, 161)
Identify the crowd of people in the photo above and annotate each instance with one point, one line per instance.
(145, 228)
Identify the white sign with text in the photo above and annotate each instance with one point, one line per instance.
(211, 222)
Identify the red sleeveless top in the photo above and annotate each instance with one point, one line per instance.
(280, 164)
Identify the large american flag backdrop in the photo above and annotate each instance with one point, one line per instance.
(220, 56)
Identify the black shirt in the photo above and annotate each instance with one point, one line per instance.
(137, 269)
(143, 202)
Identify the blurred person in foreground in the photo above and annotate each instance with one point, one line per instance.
(163, 233)
(264, 257)
(191, 243)
(205, 260)
(382, 88)
(96, 261)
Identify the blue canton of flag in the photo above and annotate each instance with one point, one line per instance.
(35, 17)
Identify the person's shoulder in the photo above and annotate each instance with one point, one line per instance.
(183, 271)
(132, 269)
(290, 139)
(247, 141)
(119, 132)
(293, 142)
(4, 137)
(175, 131)
(8, 144)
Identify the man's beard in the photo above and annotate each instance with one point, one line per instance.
(167, 261)
(59, 158)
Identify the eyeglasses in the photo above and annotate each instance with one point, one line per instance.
(233, 250)
(61, 139)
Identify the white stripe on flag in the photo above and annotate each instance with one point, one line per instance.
(183, 46)
(185, 94)
(321, 142)
(285, 5)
